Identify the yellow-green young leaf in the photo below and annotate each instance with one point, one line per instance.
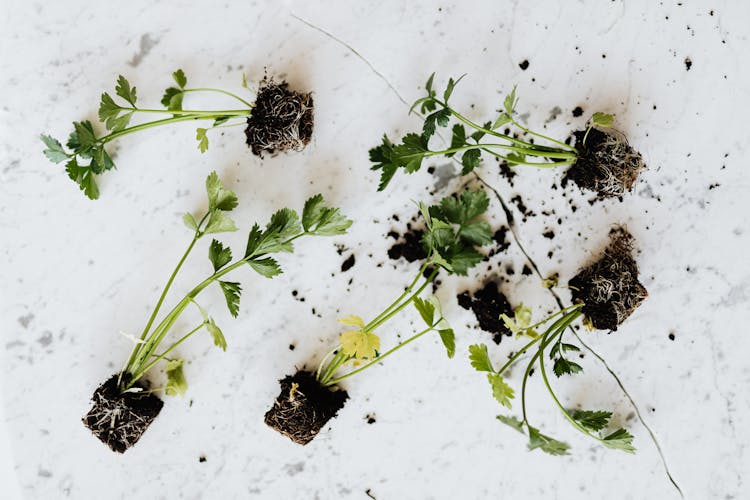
(550, 282)
(359, 344)
(202, 138)
(425, 309)
(176, 383)
(219, 197)
(501, 391)
(219, 223)
(180, 78)
(523, 316)
(602, 119)
(512, 422)
(189, 221)
(509, 323)
(479, 358)
(352, 320)
(216, 334)
(449, 341)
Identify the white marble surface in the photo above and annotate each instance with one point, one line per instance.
(77, 272)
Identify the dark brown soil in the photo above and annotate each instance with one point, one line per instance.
(119, 420)
(606, 164)
(609, 288)
(282, 119)
(409, 246)
(303, 407)
(488, 304)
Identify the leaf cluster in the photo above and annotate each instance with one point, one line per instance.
(454, 230)
(413, 149)
(431, 312)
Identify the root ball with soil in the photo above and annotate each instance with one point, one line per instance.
(304, 406)
(282, 119)
(606, 163)
(609, 288)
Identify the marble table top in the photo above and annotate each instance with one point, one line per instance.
(77, 273)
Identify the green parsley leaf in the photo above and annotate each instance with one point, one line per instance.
(501, 391)
(602, 119)
(232, 292)
(218, 255)
(54, 151)
(109, 112)
(463, 259)
(437, 118)
(470, 160)
(381, 157)
(512, 422)
(619, 440)
(449, 88)
(458, 138)
(564, 367)
(478, 233)
(546, 443)
(124, 90)
(426, 309)
(172, 99)
(83, 139)
(216, 334)
(84, 177)
(321, 220)
(180, 78)
(448, 337)
(410, 153)
(510, 102)
(267, 267)
(189, 221)
(202, 138)
(501, 120)
(176, 383)
(219, 223)
(591, 420)
(219, 198)
(480, 359)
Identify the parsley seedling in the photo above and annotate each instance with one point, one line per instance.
(548, 344)
(278, 119)
(612, 164)
(284, 228)
(307, 401)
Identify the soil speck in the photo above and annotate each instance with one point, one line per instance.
(347, 264)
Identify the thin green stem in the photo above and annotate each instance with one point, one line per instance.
(381, 357)
(374, 324)
(143, 126)
(400, 297)
(195, 112)
(161, 356)
(158, 334)
(564, 155)
(517, 161)
(542, 136)
(207, 89)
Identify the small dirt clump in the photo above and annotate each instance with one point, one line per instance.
(609, 288)
(303, 407)
(606, 164)
(409, 246)
(120, 419)
(487, 305)
(282, 119)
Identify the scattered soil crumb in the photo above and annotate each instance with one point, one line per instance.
(487, 305)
